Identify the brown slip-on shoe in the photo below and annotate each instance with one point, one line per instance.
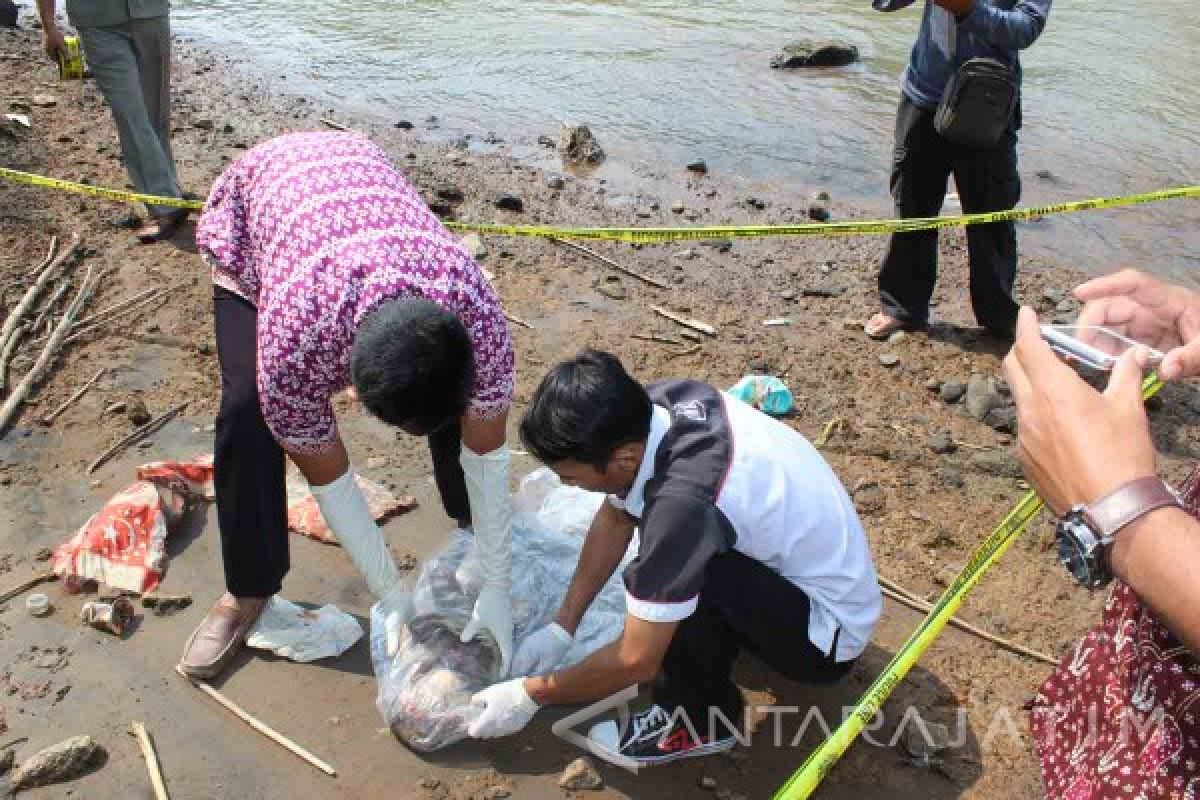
(220, 636)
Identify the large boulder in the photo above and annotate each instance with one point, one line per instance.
(579, 146)
(815, 53)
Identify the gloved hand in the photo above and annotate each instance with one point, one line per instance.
(542, 651)
(507, 709)
(491, 517)
(345, 511)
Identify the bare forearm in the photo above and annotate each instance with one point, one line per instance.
(325, 467)
(605, 672)
(1159, 557)
(46, 14)
(605, 546)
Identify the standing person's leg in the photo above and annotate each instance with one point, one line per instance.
(112, 57)
(988, 181)
(152, 46)
(249, 478)
(445, 446)
(908, 273)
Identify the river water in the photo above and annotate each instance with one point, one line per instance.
(1111, 99)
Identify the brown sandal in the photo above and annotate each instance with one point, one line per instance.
(161, 227)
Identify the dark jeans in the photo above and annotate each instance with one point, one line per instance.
(249, 463)
(987, 180)
(744, 603)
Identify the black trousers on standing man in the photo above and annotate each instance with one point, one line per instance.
(987, 180)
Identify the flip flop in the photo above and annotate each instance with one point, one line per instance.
(881, 326)
(161, 227)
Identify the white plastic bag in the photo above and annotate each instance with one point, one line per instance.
(425, 691)
(301, 634)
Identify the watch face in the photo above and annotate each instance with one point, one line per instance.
(1072, 556)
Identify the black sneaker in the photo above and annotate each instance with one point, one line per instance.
(655, 737)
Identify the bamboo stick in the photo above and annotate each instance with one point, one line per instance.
(147, 746)
(147, 429)
(606, 260)
(53, 415)
(9, 348)
(25, 586)
(31, 294)
(33, 273)
(694, 324)
(9, 410)
(261, 727)
(904, 597)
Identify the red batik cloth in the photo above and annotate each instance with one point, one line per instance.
(1120, 717)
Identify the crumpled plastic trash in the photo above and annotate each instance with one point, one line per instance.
(124, 544)
(303, 634)
(765, 392)
(425, 690)
(304, 515)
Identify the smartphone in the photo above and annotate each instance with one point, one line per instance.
(1093, 346)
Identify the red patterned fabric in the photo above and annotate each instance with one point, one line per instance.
(124, 544)
(1120, 717)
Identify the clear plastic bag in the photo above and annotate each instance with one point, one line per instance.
(425, 690)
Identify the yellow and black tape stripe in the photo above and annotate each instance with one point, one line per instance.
(663, 235)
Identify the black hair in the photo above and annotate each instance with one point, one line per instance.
(584, 409)
(413, 365)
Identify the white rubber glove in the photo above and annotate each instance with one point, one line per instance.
(345, 511)
(542, 651)
(507, 709)
(491, 519)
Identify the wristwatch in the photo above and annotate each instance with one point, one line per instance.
(1085, 533)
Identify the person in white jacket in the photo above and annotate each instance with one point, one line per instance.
(329, 270)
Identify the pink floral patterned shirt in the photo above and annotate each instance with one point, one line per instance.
(317, 230)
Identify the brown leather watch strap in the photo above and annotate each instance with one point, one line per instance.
(1114, 511)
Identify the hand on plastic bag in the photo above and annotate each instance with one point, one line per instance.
(396, 605)
(507, 709)
(493, 613)
(542, 650)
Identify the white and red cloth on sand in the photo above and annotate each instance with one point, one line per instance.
(124, 544)
(1120, 717)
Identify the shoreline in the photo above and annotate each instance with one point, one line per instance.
(924, 511)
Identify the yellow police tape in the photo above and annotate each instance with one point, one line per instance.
(819, 762)
(660, 235)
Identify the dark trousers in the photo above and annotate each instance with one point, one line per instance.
(249, 465)
(987, 180)
(746, 604)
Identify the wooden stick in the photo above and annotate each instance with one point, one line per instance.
(337, 126)
(904, 597)
(128, 301)
(9, 348)
(50, 306)
(31, 294)
(147, 746)
(694, 324)
(606, 260)
(9, 410)
(677, 353)
(261, 727)
(656, 338)
(22, 588)
(80, 392)
(142, 432)
(513, 318)
(33, 273)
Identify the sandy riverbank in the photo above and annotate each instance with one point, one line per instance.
(924, 512)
